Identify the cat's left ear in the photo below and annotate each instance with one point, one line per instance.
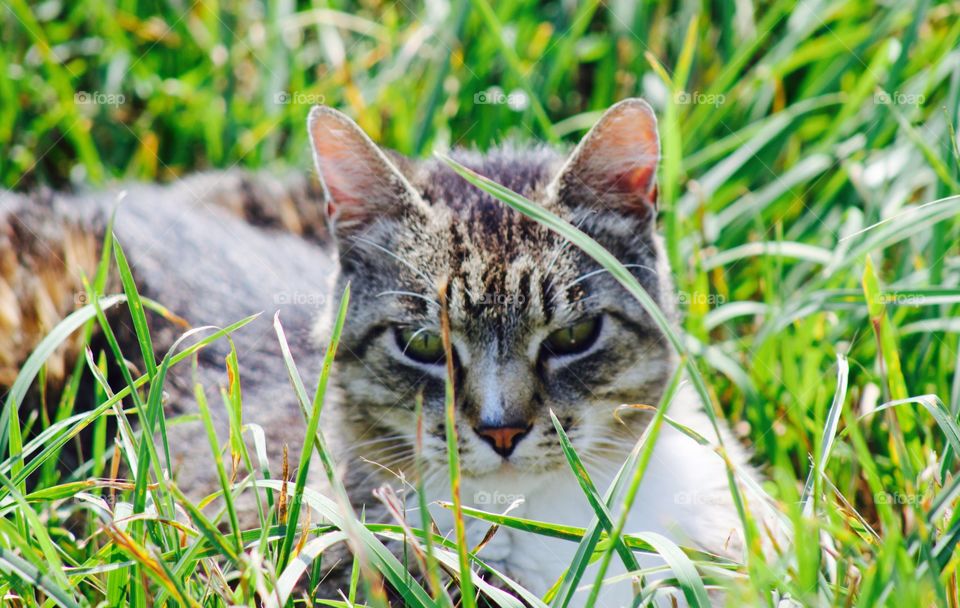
(614, 166)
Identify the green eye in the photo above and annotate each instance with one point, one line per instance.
(574, 339)
(420, 345)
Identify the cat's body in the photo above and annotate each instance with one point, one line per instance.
(411, 238)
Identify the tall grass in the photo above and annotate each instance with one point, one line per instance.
(809, 203)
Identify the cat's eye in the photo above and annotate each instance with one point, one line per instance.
(574, 339)
(420, 345)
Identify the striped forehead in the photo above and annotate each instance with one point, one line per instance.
(501, 290)
(504, 271)
(529, 286)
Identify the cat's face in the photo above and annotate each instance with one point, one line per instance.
(536, 325)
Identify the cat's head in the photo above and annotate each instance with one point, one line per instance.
(536, 325)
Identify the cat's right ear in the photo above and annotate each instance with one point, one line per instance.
(362, 185)
(614, 166)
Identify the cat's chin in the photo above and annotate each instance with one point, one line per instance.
(510, 469)
(504, 468)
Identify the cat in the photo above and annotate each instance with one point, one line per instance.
(536, 326)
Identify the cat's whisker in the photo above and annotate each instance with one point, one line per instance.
(594, 273)
(389, 449)
(404, 440)
(605, 459)
(393, 470)
(556, 256)
(388, 453)
(609, 443)
(581, 300)
(383, 249)
(432, 477)
(410, 294)
(612, 447)
(391, 459)
(387, 459)
(382, 438)
(605, 453)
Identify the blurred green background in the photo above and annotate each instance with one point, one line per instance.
(788, 128)
(152, 89)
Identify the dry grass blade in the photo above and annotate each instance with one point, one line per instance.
(453, 456)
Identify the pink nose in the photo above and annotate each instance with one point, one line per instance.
(503, 439)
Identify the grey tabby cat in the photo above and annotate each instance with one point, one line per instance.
(536, 326)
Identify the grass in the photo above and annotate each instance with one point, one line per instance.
(807, 195)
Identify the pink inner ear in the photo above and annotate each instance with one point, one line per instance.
(637, 180)
(622, 155)
(345, 201)
(349, 173)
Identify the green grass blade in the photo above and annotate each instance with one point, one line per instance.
(53, 564)
(135, 305)
(365, 547)
(216, 452)
(313, 419)
(604, 519)
(54, 438)
(380, 557)
(513, 64)
(10, 421)
(690, 583)
(289, 577)
(828, 437)
(12, 564)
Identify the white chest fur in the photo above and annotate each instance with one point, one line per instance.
(684, 496)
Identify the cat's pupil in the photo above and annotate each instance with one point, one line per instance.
(420, 345)
(574, 339)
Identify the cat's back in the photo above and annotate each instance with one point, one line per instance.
(213, 249)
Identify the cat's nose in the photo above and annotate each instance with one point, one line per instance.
(503, 439)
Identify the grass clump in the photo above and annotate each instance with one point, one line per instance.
(809, 193)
